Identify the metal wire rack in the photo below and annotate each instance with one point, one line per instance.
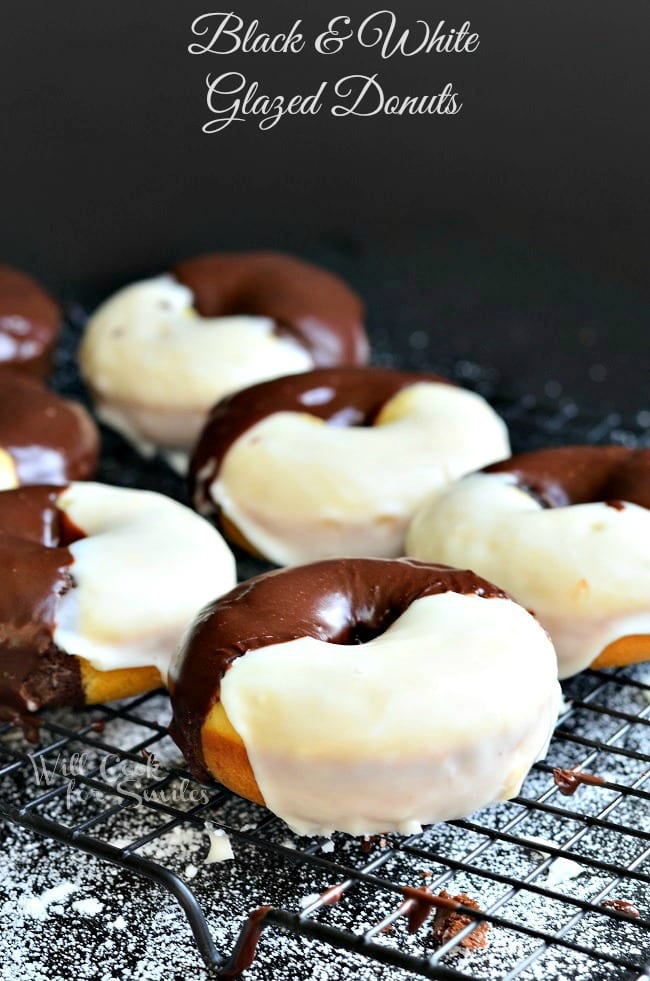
(542, 924)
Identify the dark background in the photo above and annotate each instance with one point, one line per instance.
(514, 233)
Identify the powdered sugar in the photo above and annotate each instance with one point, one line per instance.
(139, 930)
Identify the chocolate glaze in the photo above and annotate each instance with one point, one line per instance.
(582, 475)
(332, 894)
(244, 953)
(315, 307)
(30, 322)
(567, 781)
(367, 594)
(35, 571)
(50, 439)
(340, 396)
(622, 906)
(367, 844)
(416, 906)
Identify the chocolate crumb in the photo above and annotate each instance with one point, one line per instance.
(149, 758)
(98, 725)
(367, 843)
(622, 906)
(617, 505)
(568, 780)
(447, 923)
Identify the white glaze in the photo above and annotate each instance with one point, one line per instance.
(443, 713)
(146, 567)
(8, 475)
(584, 570)
(301, 490)
(156, 367)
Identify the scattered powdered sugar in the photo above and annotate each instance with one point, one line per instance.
(49, 901)
(116, 924)
(89, 907)
(542, 844)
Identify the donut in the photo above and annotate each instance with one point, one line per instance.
(567, 532)
(30, 323)
(96, 585)
(365, 695)
(44, 439)
(159, 353)
(335, 461)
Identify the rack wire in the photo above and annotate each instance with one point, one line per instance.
(512, 858)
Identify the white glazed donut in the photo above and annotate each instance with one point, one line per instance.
(97, 584)
(335, 462)
(567, 533)
(159, 353)
(366, 695)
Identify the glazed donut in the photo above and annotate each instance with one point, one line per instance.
(30, 323)
(96, 585)
(567, 532)
(334, 462)
(159, 353)
(44, 439)
(365, 695)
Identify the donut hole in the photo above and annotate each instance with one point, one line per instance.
(68, 531)
(362, 633)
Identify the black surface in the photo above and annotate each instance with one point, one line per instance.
(534, 927)
(105, 170)
(513, 234)
(545, 325)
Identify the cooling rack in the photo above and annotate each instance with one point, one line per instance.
(543, 868)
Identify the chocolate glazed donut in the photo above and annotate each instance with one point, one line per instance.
(312, 305)
(48, 438)
(339, 396)
(33, 671)
(30, 322)
(582, 475)
(367, 595)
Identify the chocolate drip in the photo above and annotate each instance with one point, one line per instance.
(312, 305)
(244, 953)
(339, 396)
(582, 475)
(50, 439)
(622, 906)
(332, 895)
(35, 572)
(567, 781)
(417, 906)
(30, 321)
(449, 919)
(367, 844)
(340, 601)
